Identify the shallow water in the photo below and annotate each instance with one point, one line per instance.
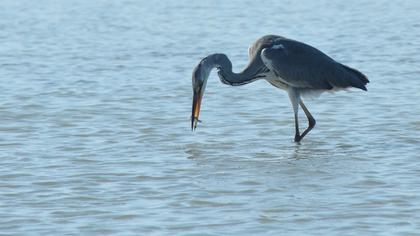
(94, 121)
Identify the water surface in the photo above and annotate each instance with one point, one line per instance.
(94, 121)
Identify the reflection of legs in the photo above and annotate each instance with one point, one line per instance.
(311, 119)
(294, 99)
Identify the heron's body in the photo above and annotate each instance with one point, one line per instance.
(287, 64)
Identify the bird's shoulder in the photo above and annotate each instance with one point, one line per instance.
(256, 47)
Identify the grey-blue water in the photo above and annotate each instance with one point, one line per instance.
(95, 100)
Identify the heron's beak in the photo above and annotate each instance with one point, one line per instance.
(199, 80)
(196, 109)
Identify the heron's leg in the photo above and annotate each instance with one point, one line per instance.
(311, 119)
(297, 135)
(294, 99)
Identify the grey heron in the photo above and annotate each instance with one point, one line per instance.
(287, 64)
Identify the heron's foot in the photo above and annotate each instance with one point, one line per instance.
(298, 138)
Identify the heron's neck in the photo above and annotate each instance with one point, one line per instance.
(227, 76)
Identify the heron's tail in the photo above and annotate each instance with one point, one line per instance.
(359, 79)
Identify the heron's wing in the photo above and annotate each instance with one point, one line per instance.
(303, 66)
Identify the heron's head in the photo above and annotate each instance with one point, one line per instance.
(199, 80)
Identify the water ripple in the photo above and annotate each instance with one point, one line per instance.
(95, 107)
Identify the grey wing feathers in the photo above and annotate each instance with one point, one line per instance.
(360, 80)
(303, 66)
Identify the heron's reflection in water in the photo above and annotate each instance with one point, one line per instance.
(194, 153)
(292, 152)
